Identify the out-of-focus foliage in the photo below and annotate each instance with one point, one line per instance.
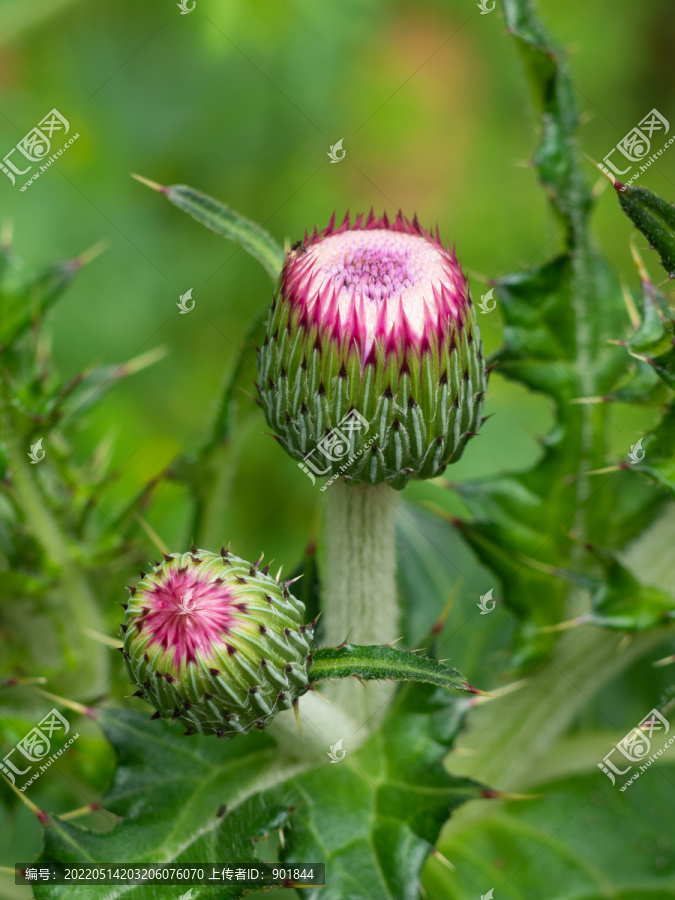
(243, 102)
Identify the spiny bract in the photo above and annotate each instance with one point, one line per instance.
(215, 642)
(371, 368)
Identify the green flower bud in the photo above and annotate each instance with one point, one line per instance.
(372, 367)
(215, 642)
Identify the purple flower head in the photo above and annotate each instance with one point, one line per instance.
(376, 285)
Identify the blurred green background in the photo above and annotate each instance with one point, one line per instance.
(243, 102)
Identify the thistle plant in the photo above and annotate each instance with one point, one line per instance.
(371, 376)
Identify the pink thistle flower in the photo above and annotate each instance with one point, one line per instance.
(215, 642)
(372, 320)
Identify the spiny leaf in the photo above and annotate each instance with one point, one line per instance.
(654, 217)
(226, 222)
(374, 816)
(169, 792)
(541, 848)
(373, 662)
(622, 603)
(26, 298)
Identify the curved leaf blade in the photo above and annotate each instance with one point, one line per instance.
(372, 662)
(225, 221)
(654, 217)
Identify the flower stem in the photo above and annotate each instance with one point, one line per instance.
(359, 578)
(360, 565)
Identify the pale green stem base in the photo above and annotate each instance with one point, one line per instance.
(359, 584)
(79, 608)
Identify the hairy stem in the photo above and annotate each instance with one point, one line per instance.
(359, 578)
(360, 565)
(79, 607)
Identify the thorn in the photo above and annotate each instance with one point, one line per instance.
(115, 643)
(89, 255)
(504, 795)
(666, 661)
(591, 400)
(562, 626)
(6, 233)
(473, 690)
(88, 711)
(42, 816)
(193, 549)
(440, 622)
(345, 642)
(360, 681)
(82, 811)
(16, 682)
(439, 856)
(160, 188)
(296, 710)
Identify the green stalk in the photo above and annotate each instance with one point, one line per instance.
(359, 578)
(360, 565)
(79, 607)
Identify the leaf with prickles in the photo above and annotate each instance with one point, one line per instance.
(654, 217)
(658, 463)
(373, 662)
(621, 603)
(79, 394)
(226, 222)
(374, 817)
(169, 792)
(25, 301)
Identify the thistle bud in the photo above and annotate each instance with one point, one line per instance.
(215, 642)
(371, 367)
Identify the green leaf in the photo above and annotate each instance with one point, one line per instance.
(27, 296)
(374, 816)
(582, 839)
(169, 792)
(659, 447)
(559, 318)
(622, 603)
(224, 221)
(654, 217)
(373, 662)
